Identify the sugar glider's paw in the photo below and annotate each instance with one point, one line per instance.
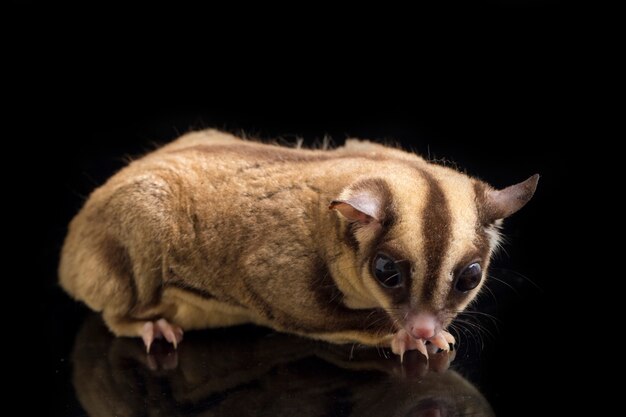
(403, 342)
(161, 329)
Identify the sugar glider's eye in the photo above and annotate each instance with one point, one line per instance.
(387, 271)
(469, 278)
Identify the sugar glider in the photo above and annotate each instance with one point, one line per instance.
(359, 244)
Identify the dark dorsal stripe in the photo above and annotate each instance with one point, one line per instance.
(437, 233)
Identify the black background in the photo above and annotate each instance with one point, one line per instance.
(500, 97)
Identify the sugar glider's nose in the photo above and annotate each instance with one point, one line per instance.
(421, 325)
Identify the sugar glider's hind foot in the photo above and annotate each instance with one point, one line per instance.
(148, 330)
(161, 329)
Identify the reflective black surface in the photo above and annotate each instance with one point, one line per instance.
(251, 372)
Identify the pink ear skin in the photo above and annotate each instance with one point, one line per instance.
(503, 203)
(351, 212)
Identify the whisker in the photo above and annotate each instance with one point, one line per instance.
(520, 275)
(504, 283)
(491, 317)
(481, 331)
(486, 287)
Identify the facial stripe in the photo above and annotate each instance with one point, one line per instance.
(437, 234)
(476, 249)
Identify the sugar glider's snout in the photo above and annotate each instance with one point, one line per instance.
(421, 325)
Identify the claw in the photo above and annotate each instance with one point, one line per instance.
(147, 334)
(403, 342)
(398, 344)
(160, 328)
(440, 341)
(449, 338)
(419, 344)
(168, 332)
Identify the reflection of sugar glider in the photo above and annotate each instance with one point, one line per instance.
(228, 373)
(213, 231)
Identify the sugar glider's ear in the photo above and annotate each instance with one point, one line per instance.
(502, 203)
(366, 205)
(363, 208)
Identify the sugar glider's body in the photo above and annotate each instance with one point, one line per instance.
(213, 231)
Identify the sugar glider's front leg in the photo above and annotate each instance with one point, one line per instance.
(400, 342)
(403, 342)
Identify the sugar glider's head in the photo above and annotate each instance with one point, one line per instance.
(420, 239)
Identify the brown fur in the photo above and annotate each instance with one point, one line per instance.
(211, 230)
